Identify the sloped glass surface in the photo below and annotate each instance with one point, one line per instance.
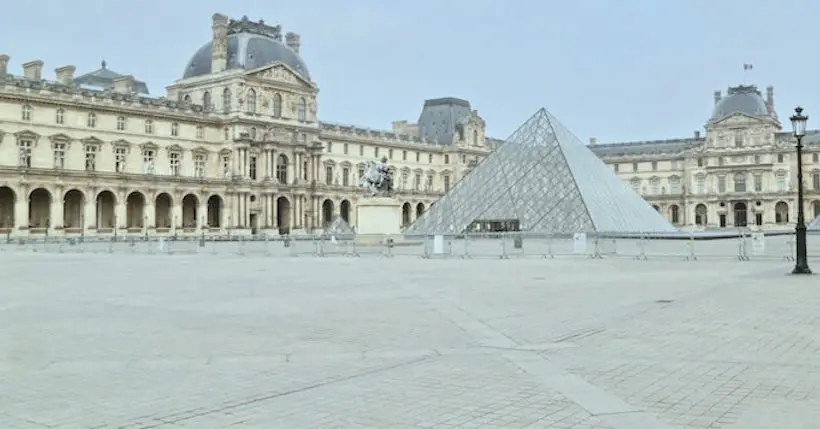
(549, 182)
(814, 225)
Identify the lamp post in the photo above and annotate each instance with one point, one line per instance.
(799, 124)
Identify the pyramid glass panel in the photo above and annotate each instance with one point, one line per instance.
(542, 179)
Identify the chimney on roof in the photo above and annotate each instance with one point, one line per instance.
(65, 74)
(293, 41)
(219, 43)
(593, 141)
(770, 99)
(717, 97)
(124, 84)
(33, 70)
(697, 134)
(4, 65)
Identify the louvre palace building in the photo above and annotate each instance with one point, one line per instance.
(235, 145)
(740, 173)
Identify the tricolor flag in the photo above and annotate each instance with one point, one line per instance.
(747, 67)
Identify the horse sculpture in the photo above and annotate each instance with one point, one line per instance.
(377, 178)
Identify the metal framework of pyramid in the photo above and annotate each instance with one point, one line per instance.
(548, 181)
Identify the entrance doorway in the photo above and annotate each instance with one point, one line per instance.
(723, 220)
(254, 223)
(759, 219)
(740, 214)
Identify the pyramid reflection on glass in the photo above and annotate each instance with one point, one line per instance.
(547, 181)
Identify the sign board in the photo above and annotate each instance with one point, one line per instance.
(758, 243)
(438, 244)
(579, 242)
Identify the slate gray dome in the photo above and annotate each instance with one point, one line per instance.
(740, 99)
(247, 51)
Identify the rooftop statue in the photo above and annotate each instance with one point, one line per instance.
(377, 178)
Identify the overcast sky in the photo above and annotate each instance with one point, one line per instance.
(615, 70)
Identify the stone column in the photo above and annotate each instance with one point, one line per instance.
(225, 220)
(176, 214)
(89, 212)
(21, 212)
(56, 213)
(201, 214)
(148, 215)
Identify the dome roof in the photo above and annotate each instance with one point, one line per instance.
(740, 99)
(247, 51)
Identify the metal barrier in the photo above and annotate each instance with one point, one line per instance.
(742, 247)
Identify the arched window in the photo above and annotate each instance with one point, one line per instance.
(282, 169)
(700, 214)
(253, 133)
(301, 111)
(277, 105)
(781, 212)
(740, 182)
(206, 100)
(226, 101)
(251, 106)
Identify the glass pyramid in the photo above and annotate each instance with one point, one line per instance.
(547, 181)
(814, 225)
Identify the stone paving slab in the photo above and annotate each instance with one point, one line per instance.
(196, 341)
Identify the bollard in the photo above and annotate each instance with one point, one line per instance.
(642, 249)
(267, 245)
(388, 252)
(504, 248)
(241, 249)
(596, 251)
(466, 254)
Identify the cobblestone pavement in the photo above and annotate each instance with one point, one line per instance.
(189, 341)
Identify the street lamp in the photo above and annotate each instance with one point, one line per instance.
(799, 124)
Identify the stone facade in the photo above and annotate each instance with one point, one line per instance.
(239, 148)
(740, 173)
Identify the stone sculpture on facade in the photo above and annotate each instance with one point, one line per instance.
(377, 178)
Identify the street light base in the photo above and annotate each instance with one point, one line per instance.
(801, 269)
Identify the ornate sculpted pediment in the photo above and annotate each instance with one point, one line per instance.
(174, 148)
(149, 146)
(92, 141)
(282, 73)
(27, 135)
(738, 120)
(60, 138)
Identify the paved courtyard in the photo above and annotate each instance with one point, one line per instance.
(199, 341)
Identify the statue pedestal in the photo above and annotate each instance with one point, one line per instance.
(378, 218)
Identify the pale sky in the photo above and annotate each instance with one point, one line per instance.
(615, 70)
